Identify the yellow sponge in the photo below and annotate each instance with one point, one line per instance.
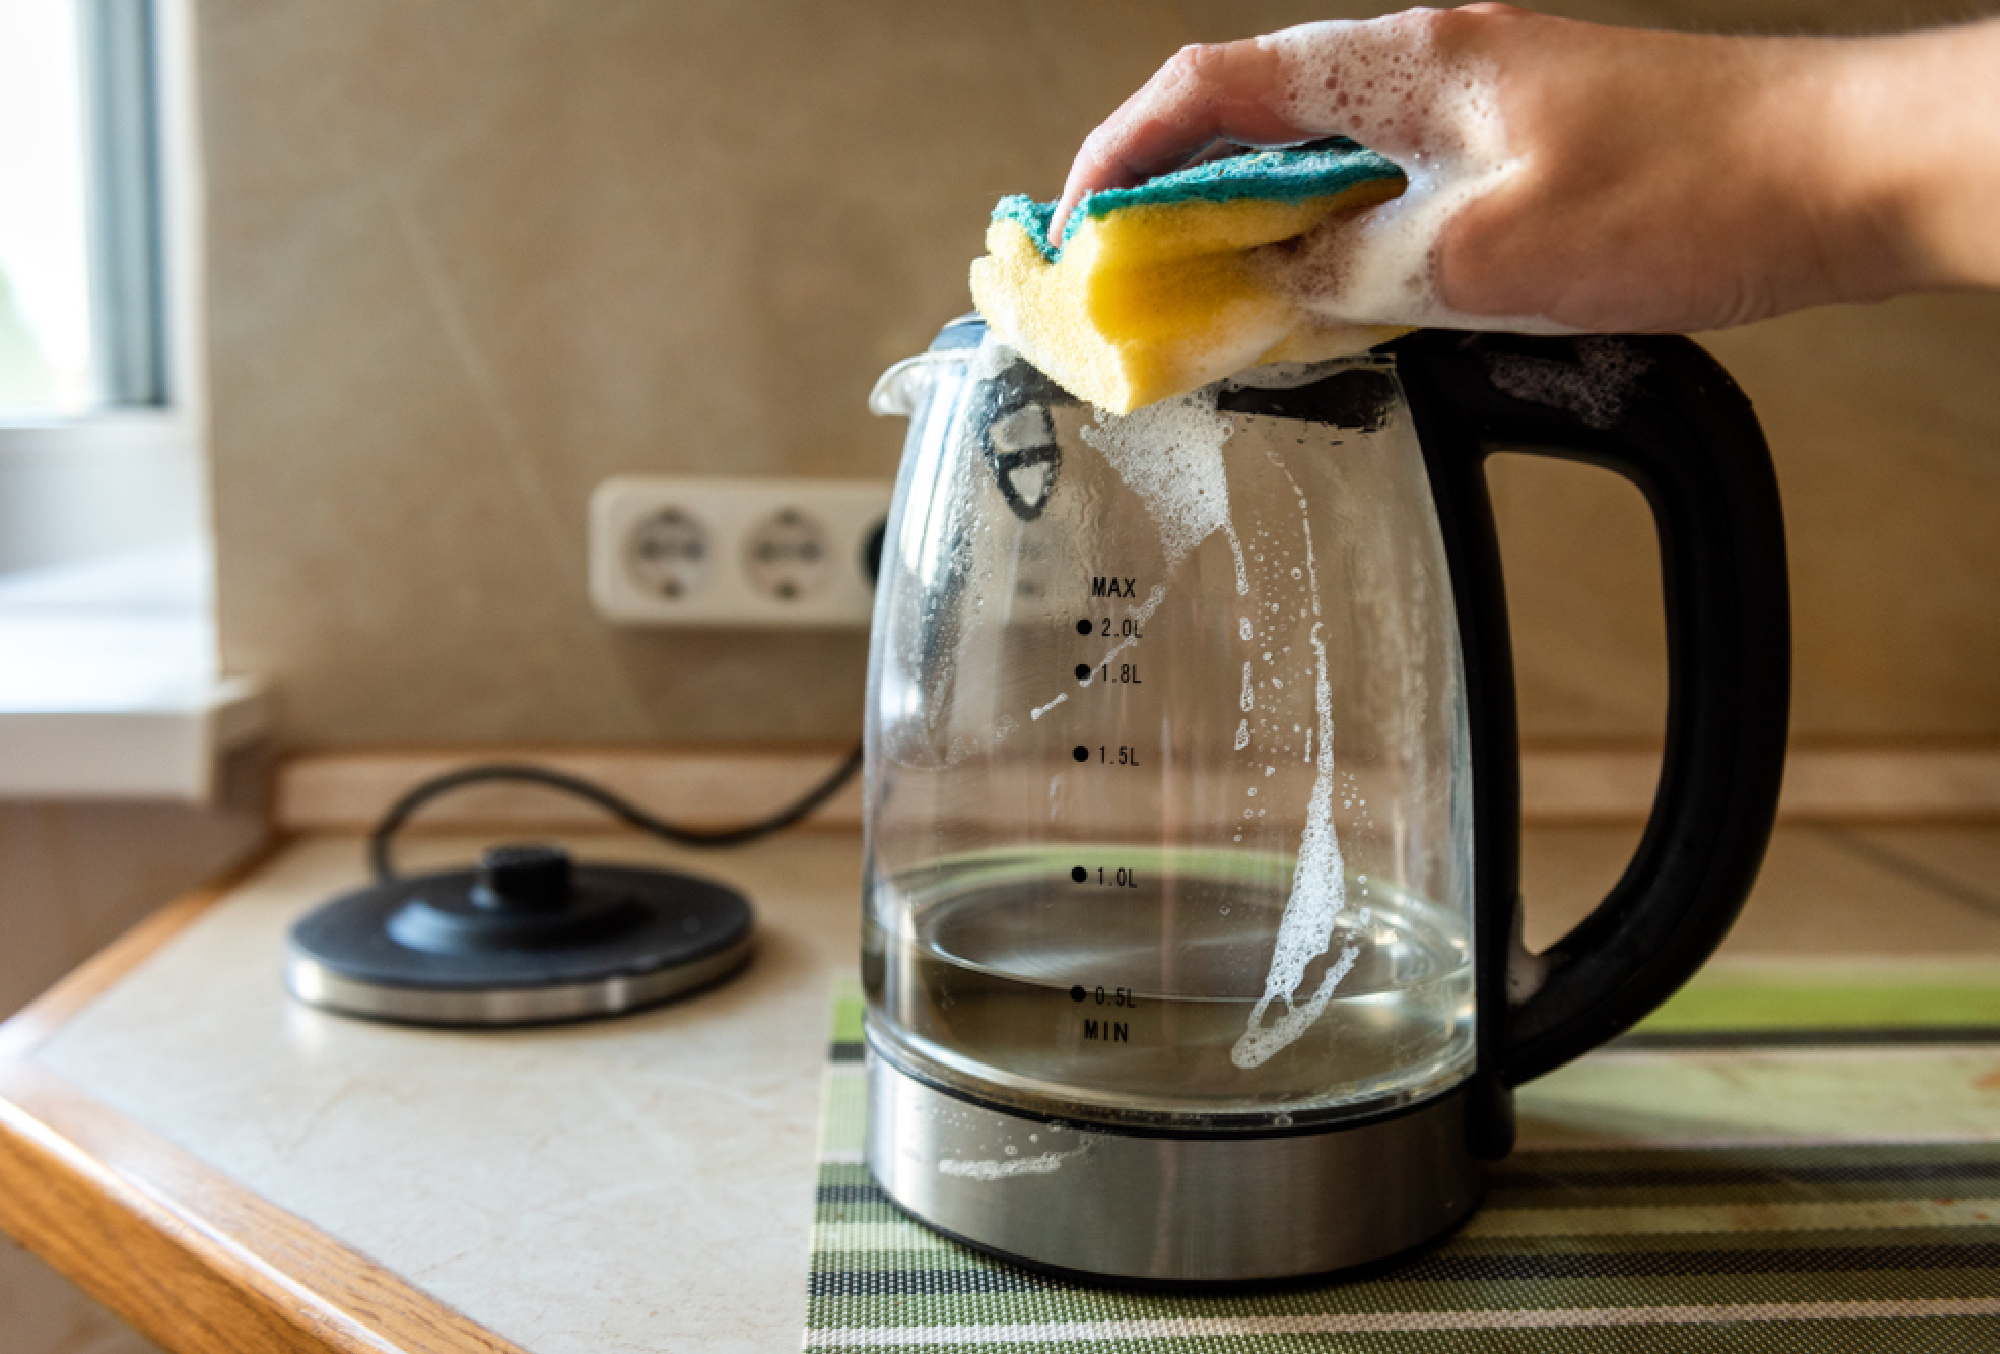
(1159, 289)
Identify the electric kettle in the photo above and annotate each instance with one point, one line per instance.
(1191, 932)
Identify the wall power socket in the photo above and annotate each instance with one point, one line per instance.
(676, 550)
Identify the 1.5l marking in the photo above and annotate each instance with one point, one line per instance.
(1107, 755)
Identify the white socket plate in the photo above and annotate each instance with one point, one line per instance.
(724, 553)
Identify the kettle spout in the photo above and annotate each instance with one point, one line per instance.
(903, 387)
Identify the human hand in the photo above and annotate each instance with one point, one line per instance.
(1573, 176)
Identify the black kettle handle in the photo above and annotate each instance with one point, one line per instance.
(1662, 413)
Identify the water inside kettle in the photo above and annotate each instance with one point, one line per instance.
(1145, 1007)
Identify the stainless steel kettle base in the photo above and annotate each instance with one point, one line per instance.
(1169, 1209)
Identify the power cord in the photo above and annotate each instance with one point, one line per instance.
(381, 860)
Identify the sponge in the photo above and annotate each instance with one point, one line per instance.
(1160, 289)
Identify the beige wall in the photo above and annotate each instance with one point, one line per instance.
(467, 259)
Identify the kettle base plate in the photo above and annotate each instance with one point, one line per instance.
(1099, 1203)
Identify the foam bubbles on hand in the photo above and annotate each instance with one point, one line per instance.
(1384, 83)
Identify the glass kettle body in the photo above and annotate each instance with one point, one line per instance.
(1190, 817)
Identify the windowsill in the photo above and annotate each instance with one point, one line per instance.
(108, 681)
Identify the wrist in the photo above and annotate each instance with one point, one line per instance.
(1914, 133)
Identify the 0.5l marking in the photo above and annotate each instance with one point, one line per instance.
(1105, 996)
(1106, 1031)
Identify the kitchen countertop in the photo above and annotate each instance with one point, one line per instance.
(233, 1171)
(643, 1183)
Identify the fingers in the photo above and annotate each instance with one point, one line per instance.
(1377, 80)
(1203, 95)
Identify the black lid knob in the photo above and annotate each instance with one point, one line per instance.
(525, 878)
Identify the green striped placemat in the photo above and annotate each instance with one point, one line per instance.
(1851, 1242)
(1783, 1002)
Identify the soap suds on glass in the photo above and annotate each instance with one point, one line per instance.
(1170, 456)
(1319, 880)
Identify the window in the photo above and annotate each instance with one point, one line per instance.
(98, 402)
(108, 674)
(80, 228)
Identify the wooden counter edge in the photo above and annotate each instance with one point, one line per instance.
(191, 1259)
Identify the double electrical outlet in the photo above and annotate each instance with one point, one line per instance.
(669, 550)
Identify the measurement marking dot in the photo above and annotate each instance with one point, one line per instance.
(1083, 672)
(1079, 874)
(1076, 994)
(1082, 754)
(1083, 627)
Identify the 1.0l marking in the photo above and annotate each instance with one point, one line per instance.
(1122, 878)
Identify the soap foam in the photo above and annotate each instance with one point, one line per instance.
(1048, 1163)
(1312, 913)
(1170, 455)
(1319, 879)
(1437, 117)
(1597, 387)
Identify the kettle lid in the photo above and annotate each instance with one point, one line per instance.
(967, 331)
